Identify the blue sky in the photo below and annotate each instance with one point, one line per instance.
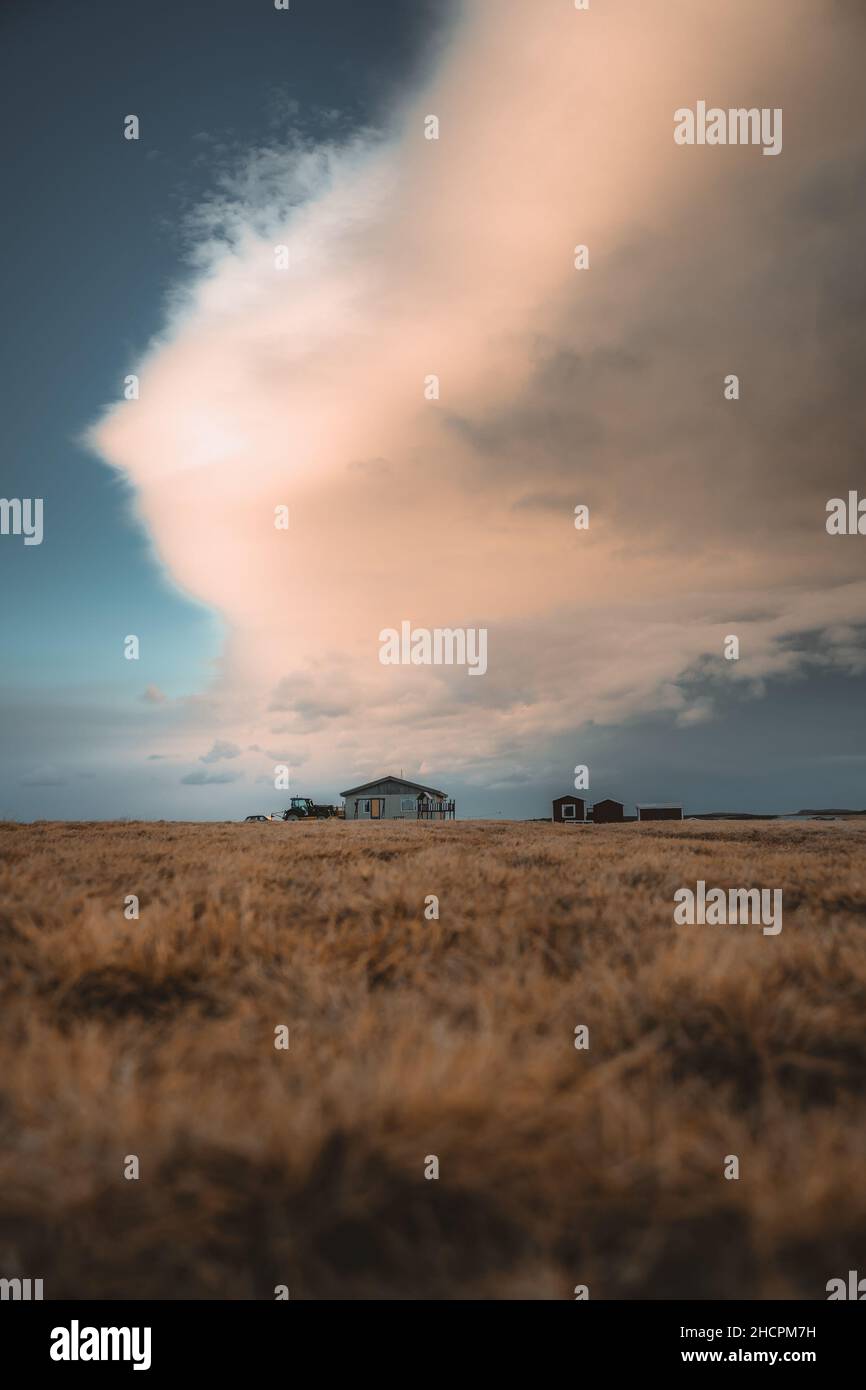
(102, 232)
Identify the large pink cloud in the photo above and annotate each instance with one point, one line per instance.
(408, 257)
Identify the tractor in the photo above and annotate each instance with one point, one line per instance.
(303, 808)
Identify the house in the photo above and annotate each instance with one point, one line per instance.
(394, 798)
(659, 811)
(607, 811)
(567, 809)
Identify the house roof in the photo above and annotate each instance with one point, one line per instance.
(400, 783)
(570, 797)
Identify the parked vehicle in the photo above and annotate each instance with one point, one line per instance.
(304, 808)
(261, 818)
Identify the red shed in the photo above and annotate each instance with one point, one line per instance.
(606, 811)
(569, 808)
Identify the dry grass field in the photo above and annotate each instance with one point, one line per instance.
(411, 1038)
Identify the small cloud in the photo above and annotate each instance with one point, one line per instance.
(43, 777)
(204, 779)
(310, 701)
(697, 713)
(154, 696)
(221, 749)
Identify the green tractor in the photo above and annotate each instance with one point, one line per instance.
(303, 808)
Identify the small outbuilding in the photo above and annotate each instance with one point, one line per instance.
(659, 811)
(567, 809)
(607, 811)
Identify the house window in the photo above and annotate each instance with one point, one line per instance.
(569, 811)
(407, 803)
(365, 808)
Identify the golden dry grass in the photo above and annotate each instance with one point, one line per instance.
(412, 1037)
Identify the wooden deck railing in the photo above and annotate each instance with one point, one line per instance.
(436, 810)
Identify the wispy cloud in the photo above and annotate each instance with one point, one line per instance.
(198, 778)
(222, 748)
(43, 777)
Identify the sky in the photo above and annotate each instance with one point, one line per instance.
(285, 261)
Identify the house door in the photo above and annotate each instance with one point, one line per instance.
(376, 806)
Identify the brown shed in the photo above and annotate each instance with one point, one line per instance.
(607, 811)
(567, 809)
(659, 812)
